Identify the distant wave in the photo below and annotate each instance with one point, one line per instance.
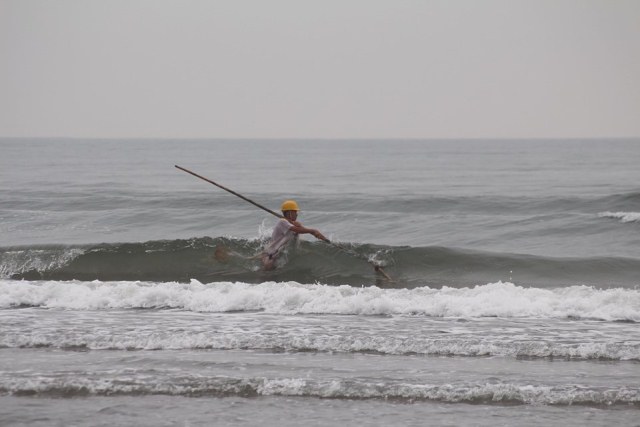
(176, 384)
(632, 197)
(622, 216)
(198, 258)
(475, 203)
(496, 299)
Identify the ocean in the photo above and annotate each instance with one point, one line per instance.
(131, 292)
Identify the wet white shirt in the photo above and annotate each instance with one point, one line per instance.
(282, 234)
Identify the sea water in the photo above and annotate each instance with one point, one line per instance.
(130, 291)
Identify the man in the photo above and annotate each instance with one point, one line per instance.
(286, 229)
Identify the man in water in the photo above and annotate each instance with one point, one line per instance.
(286, 229)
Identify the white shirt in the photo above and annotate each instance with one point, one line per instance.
(282, 234)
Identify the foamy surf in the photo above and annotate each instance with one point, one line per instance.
(621, 216)
(290, 339)
(501, 299)
(154, 383)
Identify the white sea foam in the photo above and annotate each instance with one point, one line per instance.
(186, 385)
(622, 216)
(495, 299)
(21, 260)
(296, 340)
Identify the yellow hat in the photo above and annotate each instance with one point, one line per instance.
(289, 205)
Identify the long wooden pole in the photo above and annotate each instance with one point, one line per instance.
(258, 205)
(231, 191)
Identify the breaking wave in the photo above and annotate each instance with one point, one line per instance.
(158, 383)
(492, 300)
(622, 216)
(229, 259)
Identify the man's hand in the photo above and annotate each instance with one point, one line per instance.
(318, 235)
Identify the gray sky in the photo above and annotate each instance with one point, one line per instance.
(325, 69)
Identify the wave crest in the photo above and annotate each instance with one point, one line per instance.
(227, 259)
(495, 299)
(222, 386)
(624, 217)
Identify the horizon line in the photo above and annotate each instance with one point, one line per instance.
(328, 139)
